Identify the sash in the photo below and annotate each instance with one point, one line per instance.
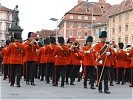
(15, 45)
(62, 49)
(103, 49)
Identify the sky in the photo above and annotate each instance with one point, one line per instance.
(35, 15)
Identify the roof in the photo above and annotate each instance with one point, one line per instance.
(87, 8)
(104, 19)
(45, 33)
(5, 9)
(123, 6)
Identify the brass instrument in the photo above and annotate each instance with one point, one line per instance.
(75, 44)
(37, 40)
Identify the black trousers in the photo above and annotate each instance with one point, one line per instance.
(15, 71)
(111, 72)
(127, 74)
(132, 76)
(68, 68)
(77, 73)
(50, 72)
(120, 75)
(59, 71)
(91, 71)
(5, 67)
(104, 77)
(30, 71)
(42, 70)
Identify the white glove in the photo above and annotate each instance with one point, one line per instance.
(88, 51)
(100, 62)
(108, 53)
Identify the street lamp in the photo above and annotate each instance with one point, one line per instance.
(89, 5)
(54, 19)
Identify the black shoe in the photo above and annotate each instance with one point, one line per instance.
(47, 82)
(122, 83)
(18, 85)
(62, 86)
(85, 86)
(55, 84)
(67, 83)
(100, 91)
(130, 85)
(118, 83)
(107, 92)
(41, 79)
(92, 88)
(111, 84)
(33, 84)
(72, 84)
(11, 85)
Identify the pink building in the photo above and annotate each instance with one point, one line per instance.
(78, 22)
(5, 23)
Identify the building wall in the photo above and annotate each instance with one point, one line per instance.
(5, 23)
(121, 27)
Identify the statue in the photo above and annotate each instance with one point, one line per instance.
(15, 18)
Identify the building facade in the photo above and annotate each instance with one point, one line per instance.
(121, 23)
(78, 22)
(5, 23)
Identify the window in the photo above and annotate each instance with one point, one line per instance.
(120, 17)
(85, 34)
(71, 16)
(113, 30)
(79, 33)
(119, 28)
(71, 33)
(119, 39)
(80, 17)
(99, 30)
(79, 25)
(86, 25)
(132, 38)
(105, 28)
(70, 24)
(86, 18)
(113, 19)
(127, 15)
(126, 28)
(126, 39)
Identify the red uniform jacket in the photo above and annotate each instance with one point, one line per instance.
(60, 55)
(15, 54)
(104, 57)
(49, 52)
(69, 58)
(42, 56)
(88, 58)
(31, 52)
(5, 55)
(76, 57)
(131, 56)
(121, 58)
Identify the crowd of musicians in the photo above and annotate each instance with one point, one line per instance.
(60, 63)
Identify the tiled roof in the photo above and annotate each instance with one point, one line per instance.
(104, 18)
(87, 8)
(45, 33)
(5, 9)
(123, 6)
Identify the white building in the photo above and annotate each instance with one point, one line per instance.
(5, 23)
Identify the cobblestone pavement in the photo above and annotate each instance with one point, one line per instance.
(47, 91)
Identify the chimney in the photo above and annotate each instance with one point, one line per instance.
(102, 1)
(79, 1)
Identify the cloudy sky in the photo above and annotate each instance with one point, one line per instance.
(34, 15)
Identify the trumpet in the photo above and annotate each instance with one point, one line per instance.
(37, 40)
(76, 44)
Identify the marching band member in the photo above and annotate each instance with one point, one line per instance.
(103, 53)
(43, 59)
(31, 57)
(5, 58)
(89, 62)
(69, 60)
(49, 49)
(60, 53)
(121, 57)
(15, 50)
